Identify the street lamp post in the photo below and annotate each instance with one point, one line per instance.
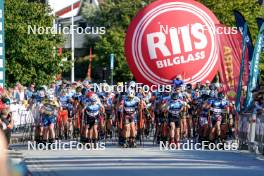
(112, 59)
(72, 43)
(104, 73)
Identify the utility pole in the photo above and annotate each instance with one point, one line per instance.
(112, 60)
(72, 44)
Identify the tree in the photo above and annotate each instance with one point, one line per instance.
(116, 16)
(31, 57)
(223, 10)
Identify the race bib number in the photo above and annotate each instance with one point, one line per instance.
(93, 114)
(174, 112)
(216, 110)
(203, 121)
(129, 109)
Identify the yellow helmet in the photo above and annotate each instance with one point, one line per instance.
(120, 84)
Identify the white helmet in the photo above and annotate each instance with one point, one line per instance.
(41, 93)
(51, 97)
(93, 98)
(217, 85)
(131, 94)
(85, 82)
(132, 84)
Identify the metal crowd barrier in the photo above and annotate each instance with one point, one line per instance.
(251, 132)
(23, 123)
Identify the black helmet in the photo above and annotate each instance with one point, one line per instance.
(205, 97)
(78, 89)
(221, 95)
(83, 91)
(213, 94)
(175, 96)
(165, 94)
(189, 86)
(212, 87)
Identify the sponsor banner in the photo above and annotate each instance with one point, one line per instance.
(89, 72)
(260, 21)
(242, 68)
(254, 69)
(240, 22)
(230, 46)
(168, 38)
(65, 8)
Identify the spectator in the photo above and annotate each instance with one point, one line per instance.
(258, 106)
(9, 92)
(52, 88)
(22, 94)
(30, 91)
(58, 88)
(16, 94)
(6, 123)
(19, 93)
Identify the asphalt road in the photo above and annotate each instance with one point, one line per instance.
(141, 161)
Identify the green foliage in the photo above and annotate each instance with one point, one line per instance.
(250, 9)
(90, 10)
(30, 57)
(116, 16)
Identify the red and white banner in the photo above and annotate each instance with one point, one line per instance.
(172, 37)
(230, 46)
(65, 8)
(89, 71)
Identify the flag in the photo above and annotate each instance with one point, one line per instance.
(242, 67)
(89, 72)
(260, 21)
(254, 70)
(230, 47)
(59, 51)
(240, 22)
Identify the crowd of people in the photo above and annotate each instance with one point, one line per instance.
(67, 110)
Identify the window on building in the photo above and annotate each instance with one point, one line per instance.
(82, 25)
